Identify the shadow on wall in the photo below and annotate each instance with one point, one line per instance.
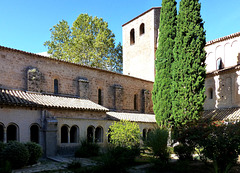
(228, 94)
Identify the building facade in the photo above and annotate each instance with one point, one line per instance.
(56, 103)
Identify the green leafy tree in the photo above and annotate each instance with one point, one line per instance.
(125, 134)
(188, 69)
(89, 42)
(162, 102)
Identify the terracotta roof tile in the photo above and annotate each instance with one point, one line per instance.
(23, 98)
(137, 117)
(227, 114)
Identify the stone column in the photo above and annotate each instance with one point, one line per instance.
(118, 97)
(83, 87)
(4, 134)
(145, 101)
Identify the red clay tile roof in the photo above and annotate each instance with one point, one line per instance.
(28, 99)
(227, 114)
(136, 117)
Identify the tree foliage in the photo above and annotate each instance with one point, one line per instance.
(89, 42)
(188, 69)
(164, 58)
(125, 134)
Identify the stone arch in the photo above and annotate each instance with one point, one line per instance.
(219, 64)
(210, 62)
(34, 133)
(144, 134)
(99, 134)
(74, 133)
(109, 136)
(142, 29)
(64, 133)
(1, 132)
(235, 47)
(12, 132)
(90, 133)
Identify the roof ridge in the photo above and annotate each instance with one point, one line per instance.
(222, 38)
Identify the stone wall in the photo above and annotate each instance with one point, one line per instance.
(26, 71)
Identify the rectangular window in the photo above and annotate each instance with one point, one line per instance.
(99, 96)
(135, 101)
(55, 86)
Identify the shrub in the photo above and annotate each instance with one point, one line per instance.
(2, 146)
(157, 141)
(5, 166)
(75, 166)
(218, 142)
(35, 152)
(16, 153)
(87, 149)
(117, 159)
(184, 152)
(125, 134)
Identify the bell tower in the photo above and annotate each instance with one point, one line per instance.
(140, 37)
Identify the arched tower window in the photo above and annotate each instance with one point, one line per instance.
(99, 134)
(132, 36)
(64, 134)
(11, 133)
(219, 64)
(142, 29)
(74, 134)
(55, 86)
(34, 133)
(90, 133)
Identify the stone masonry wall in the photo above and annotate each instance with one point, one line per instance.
(15, 64)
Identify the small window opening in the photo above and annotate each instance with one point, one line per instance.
(144, 134)
(11, 133)
(99, 134)
(135, 101)
(148, 132)
(90, 132)
(34, 133)
(99, 96)
(1, 133)
(142, 29)
(73, 134)
(210, 93)
(132, 36)
(219, 64)
(109, 135)
(64, 134)
(55, 86)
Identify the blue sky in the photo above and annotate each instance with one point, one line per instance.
(25, 24)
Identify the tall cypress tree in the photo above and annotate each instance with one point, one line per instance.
(188, 69)
(164, 57)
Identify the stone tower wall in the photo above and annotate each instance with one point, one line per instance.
(138, 57)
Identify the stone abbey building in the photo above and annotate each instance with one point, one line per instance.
(57, 103)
